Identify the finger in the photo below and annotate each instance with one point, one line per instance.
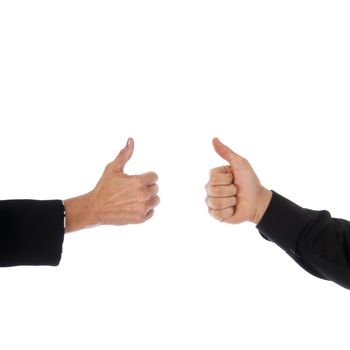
(149, 178)
(232, 220)
(225, 152)
(221, 203)
(153, 202)
(221, 191)
(149, 215)
(221, 215)
(226, 169)
(124, 155)
(152, 190)
(217, 179)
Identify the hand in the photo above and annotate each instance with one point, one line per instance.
(117, 199)
(234, 192)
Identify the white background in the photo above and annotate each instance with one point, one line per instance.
(271, 78)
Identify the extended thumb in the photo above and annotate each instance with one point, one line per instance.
(124, 155)
(223, 151)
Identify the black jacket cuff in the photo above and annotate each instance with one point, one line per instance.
(283, 222)
(31, 232)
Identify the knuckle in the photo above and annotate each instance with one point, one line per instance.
(156, 200)
(150, 214)
(149, 177)
(152, 191)
(155, 175)
(138, 181)
(153, 202)
(156, 188)
(142, 195)
(145, 208)
(135, 180)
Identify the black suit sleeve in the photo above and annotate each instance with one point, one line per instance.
(316, 241)
(31, 232)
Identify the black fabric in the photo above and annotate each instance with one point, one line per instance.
(316, 241)
(31, 232)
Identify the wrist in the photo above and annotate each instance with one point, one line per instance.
(263, 203)
(80, 213)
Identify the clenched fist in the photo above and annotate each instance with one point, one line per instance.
(117, 199)
(234, 192)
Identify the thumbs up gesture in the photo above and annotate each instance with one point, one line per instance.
(117, 199)
(124, 199)
(234, 192)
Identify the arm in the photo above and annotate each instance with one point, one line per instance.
(318, 243)
(31, 232)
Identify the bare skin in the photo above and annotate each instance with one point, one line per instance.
(117, 199)
(234, 192)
